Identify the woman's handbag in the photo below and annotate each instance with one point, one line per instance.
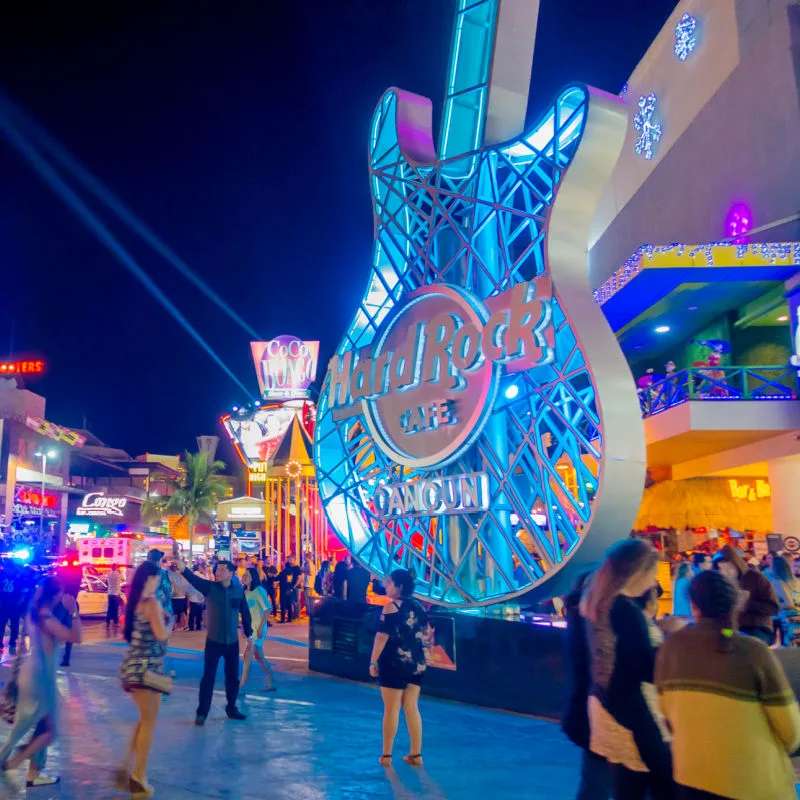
(157, 681)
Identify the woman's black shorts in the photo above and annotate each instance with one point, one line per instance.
(390, 679)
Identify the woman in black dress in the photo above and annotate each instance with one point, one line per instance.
(623, 727)
(398, 661)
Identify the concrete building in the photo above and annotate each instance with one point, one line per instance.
(710, 330)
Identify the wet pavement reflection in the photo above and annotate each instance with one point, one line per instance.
(317, 738)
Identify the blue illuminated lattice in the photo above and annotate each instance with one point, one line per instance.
(477, 221)
(649, 130)
(685, 37)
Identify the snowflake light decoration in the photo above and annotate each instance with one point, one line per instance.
(624, 90)
(685, 37)
(649, 130)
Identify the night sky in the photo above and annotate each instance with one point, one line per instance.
(238, 132)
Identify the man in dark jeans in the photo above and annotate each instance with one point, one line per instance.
(287, 579)
(225, 601)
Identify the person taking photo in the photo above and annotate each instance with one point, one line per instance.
(225, 603)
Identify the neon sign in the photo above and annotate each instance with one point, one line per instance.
(257, 436)
(286, 367)
(430, 379)
(450, 494)
(258, 472)
(97, 504)
(26, 496)
(22, 367)
(56, 432)
(745, 491)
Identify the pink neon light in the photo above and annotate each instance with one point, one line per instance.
(739, 223)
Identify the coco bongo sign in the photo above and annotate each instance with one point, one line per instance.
(427, 384)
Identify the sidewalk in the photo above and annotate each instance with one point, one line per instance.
(318, 738)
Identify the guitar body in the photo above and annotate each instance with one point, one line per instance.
(479, 423)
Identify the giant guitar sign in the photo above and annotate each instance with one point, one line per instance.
(478, 421)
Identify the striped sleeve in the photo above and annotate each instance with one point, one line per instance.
(778, 700)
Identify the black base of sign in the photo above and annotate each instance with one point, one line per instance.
(514, 666)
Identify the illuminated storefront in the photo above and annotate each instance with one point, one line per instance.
(35, 457)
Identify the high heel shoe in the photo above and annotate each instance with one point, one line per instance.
(413, 759)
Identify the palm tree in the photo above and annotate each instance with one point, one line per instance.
(193, 495)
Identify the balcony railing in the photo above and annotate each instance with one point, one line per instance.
(718, 384)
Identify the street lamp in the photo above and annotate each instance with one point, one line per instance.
(44, 455)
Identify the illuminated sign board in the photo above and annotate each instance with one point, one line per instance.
(22, 367)
(433, 495)
(258, 472)
(258, 435)
(746, 491)
(428, 384)
(55, 432)
(286, 367)
(246, 512)
(97, 504)
(27, 496)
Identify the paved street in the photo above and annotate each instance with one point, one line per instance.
(318, 738)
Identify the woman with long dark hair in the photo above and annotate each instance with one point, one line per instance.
(727, 691)
(595, 780)
(260, 609)
(36, 702)
(147, 629)
(398, 662)
(623, 729)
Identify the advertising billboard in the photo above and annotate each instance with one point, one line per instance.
(286, 367)
(258, 435)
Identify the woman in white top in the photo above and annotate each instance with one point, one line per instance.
(260, 609)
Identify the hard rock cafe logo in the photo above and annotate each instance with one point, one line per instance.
(428, 383)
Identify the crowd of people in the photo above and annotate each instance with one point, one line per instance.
(164, 595)
(696, 704)
(690, 705)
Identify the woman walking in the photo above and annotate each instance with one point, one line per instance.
(260, 609)
(595, 780)
(722, 689)
(680, 591)
(36, 701)
(398, 662)
(147, 630)
(623, 729)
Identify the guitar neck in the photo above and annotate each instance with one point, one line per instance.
(489, 74)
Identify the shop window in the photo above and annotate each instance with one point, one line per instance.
(108, 552)
(97, 552)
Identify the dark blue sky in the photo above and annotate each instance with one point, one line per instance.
(238, 131)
